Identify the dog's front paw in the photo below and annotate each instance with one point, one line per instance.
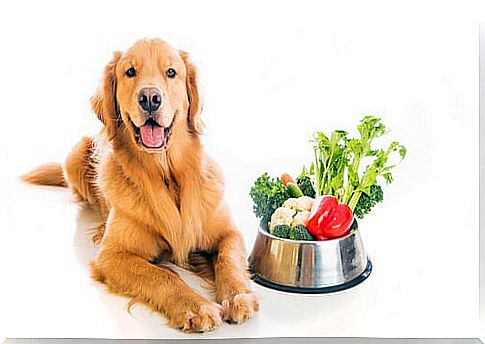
(240, 307)
(200, 317)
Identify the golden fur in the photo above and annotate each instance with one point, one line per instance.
(158, 205)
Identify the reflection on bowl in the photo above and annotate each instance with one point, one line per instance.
(309, 267)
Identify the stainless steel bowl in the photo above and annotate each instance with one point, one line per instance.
(309, 267)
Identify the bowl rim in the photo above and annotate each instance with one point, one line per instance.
(310, 242)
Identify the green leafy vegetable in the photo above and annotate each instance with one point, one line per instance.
(331, 159)
(368, 201)
(268, 194)
(338, 159)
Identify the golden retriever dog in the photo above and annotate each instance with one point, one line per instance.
(159, 194)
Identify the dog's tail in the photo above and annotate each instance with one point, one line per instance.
(47, 174)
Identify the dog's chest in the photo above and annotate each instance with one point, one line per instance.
(183, 229)
(173, 189)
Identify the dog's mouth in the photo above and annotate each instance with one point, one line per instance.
(152, 135)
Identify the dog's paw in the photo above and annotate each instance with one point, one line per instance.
(240, 308)
(201, 317)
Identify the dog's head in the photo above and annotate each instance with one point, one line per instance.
(147, 94)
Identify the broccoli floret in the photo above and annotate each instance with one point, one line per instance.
(299, 232)
(281, 231)
(268, 194)
(367, 202)
(306, 185)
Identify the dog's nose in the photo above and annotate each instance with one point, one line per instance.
(150, 98)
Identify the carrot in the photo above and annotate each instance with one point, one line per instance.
(286, 178)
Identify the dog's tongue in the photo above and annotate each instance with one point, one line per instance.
(152, 135)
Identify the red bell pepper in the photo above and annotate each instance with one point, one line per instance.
(339, 223)
(321, 208)
(328, 219)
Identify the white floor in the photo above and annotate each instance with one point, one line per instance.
(427, 291)
(253, 340)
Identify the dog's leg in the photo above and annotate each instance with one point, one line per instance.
(123, 265)
(232, 279)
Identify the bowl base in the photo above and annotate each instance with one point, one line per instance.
(323, 290)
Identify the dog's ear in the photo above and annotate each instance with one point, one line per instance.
(194, 94)
(103, 102)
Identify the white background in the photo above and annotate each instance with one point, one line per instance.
(273, 73)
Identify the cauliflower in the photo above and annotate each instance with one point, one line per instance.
(281, 216)
(290, 203)
(304, 203)
(300, 218)
(294, 211)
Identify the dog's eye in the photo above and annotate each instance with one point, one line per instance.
(130, 72)
(171, 73)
